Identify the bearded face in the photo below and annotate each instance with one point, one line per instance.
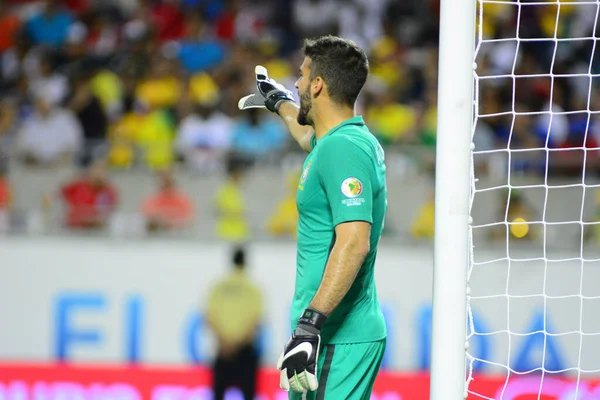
(305, 107)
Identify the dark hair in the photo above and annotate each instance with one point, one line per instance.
(239, 257)
(341, 63)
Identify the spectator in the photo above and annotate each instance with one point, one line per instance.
(10, 24)
(90, 200)
(204, 137)
(49, 84)
(256, 135)
(17, 63)
(230, 204)
(51, 26)
(168, 209)
(52, 135)
(166, 17)
(314, 18)
(423, 225)
(162, 88)
(234, 312)
(107, 86)
(91, 116)
(197, 51)
(284, 220)
(392, 122)
(154, 138)
(98, 38)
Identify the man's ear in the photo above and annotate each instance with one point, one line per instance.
(317, 86)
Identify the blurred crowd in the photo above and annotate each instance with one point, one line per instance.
(108, 85)
(554, 100)
(118, 84)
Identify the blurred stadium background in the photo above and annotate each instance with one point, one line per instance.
(127, 175)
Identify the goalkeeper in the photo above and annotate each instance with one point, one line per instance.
(339, 332)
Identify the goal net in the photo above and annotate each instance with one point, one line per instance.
(533, 303)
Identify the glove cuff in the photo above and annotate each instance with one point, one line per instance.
(312, 317)
(274, 100)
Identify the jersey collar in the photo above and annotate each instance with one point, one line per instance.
(358, 121)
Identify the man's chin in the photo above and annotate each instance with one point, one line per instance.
(303, 120)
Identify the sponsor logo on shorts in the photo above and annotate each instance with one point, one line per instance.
(352, 188)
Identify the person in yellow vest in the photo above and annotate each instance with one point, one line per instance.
(284, 220)
(230, 205)
(234, 313)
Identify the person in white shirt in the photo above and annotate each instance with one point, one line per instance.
(49, 136)
(49, 84)
(204, 137)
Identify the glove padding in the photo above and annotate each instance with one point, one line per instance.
(298, 362)
(269, 94)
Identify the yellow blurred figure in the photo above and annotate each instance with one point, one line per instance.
(492, 13)
(123, 137)
(392, 121)
(389, 73)
(423, 226)
(278, 69)
(203, 89)
(385, 64)
(548, 19)
(108, 88)
(155, 139)
(161, 92)
(231, 207)
(284, 220)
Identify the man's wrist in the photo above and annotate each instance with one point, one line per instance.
(282, 101)
(275, 100)
(313, 318)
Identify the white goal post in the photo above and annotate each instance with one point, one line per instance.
(516, 284)
(452, 196)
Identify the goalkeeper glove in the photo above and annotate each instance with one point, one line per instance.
(269, 94)
(298, 362)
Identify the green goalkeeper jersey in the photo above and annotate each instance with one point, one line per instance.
(343, 179)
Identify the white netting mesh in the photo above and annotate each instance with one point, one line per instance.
(534, 276)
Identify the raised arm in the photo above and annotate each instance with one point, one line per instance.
(276, 98)
(288, 112)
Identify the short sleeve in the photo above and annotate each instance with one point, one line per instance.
(346, 174)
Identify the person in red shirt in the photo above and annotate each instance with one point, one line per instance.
(10, 24)
(168, 209)
(91, 199)
(167, 18)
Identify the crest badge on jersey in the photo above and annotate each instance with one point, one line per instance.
(304, 176)
(352, 187)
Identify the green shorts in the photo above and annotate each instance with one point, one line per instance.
(346, 371)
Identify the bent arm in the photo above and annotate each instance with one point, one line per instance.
(347, 256)
(288, 112)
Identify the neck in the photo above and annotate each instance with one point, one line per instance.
(328, 116)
